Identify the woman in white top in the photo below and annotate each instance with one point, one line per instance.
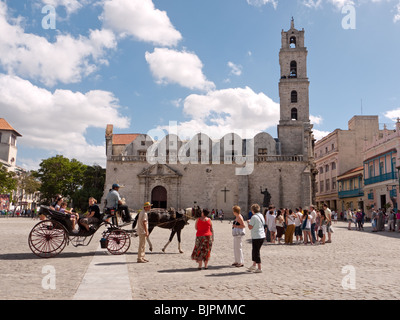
(237, 239)
(256, 225)
(270, 217)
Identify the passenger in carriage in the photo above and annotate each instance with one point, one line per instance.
(74, 215)
(56, 205)
(93, 216)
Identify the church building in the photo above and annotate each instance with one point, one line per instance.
(218, 174)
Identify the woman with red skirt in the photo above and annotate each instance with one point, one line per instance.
(204, 239)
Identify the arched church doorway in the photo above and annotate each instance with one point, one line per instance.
(159, 197)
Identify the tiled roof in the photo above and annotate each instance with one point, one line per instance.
(124, 139)
(351, 173)
(4, 125)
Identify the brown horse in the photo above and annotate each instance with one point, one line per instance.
(168, 219)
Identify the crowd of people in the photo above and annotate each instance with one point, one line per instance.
(282, 226)
(32, 213)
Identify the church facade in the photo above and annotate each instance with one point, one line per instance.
(218, 174)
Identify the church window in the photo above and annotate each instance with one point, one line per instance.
(293, 96)
(293, 69)
(142, 143)
(292, 42)
(294, 114)
(13, 140)
(333, 183)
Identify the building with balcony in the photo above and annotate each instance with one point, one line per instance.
(339, 152)
(381, 170)
(351, 190)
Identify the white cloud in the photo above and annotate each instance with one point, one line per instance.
(66, 60)
(235, 68)
(239, 110)
(312, 3)
(58, 121)
(181, 67)
(341, 3)
(140, 19)
(318, 134)
(397, 14)
(392, 114)
(316, 120)
(259, 3)
(71, 6)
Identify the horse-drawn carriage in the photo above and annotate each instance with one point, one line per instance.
(49, 237)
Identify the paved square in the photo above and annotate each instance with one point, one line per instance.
(356, 265)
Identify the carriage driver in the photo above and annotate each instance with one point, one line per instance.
(114, 201)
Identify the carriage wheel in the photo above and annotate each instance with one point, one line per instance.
(47, 239)
(119, 241)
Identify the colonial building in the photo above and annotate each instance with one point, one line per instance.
(8, 158)
(351, 190)
(217, 174)
(381, 170)
(8, 145)
(339, 152)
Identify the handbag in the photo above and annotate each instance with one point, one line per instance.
(304, 224)
(236, 232)
(320, 233)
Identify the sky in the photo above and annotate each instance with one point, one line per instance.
(68, 68)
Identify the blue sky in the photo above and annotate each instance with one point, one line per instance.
(210, 66)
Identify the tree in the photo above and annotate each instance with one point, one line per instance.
(93, 186)
(59, 175)
(8, 183)
(72, 179)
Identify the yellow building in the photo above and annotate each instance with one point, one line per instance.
(351, 190)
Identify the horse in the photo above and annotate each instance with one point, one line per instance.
(168, 219)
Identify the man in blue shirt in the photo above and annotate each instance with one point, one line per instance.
(114, 201)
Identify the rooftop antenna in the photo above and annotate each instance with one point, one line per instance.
(361, 107)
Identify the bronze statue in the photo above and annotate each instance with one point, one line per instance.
(267, 197)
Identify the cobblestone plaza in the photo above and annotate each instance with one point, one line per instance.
(356, 265)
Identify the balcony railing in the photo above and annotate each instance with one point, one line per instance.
(208, 159)
(381, 178)
(351, 193)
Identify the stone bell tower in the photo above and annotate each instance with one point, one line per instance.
(294, 129)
